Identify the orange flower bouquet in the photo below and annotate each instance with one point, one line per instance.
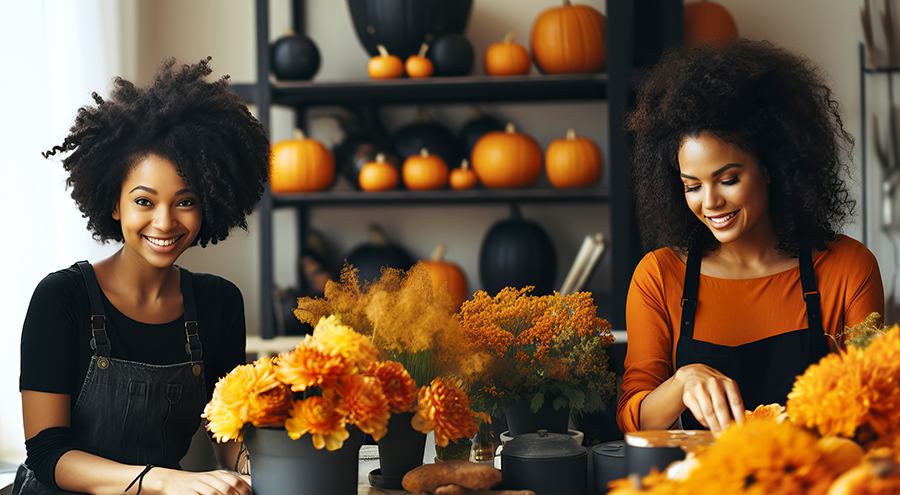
(330, 381)
(535, 347)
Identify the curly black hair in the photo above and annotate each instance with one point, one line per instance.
(219, 149)
(763, 99)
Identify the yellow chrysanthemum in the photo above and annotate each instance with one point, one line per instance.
(366, 404)
(444, 408)
(321, 417)
(335, 339)
(775, 412)
(398, 386)
(308, 366)
(761, 457)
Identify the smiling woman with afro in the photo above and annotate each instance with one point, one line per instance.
(738, 173)
(120, 356)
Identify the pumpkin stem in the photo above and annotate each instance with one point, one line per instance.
(424, 153)
(422, 50)
(298, 135)
(439, 252)
(510, 128)
(377, 236)
(422, 114)
(570, 134)
(382, 50)
(464, 165)
(379, 158)
(566, 3)
(289, 31)
(509, 37)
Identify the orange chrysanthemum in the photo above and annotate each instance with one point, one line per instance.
(397, 384)
(766, 411)
(308, 366)
(335, 339)
(366, 404)
(761, 457)
(249, 393)
(444, 408)
(321, 417)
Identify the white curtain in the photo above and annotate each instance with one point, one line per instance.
(53, 54)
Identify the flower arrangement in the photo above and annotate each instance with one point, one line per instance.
(331, 380)
(538, 346)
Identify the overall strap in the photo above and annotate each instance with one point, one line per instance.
(689, 295)
(810, 290)
(193, 347)
(99, 341)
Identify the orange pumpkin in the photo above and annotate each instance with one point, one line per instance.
(446, 273)
(573, 162)
(424, 171)
(419, 65)
(463, 177)
(378, 175)
(507, 159)
(300, 165)
(507, 58)
(384, 65)
(568, 39)
(707, 22)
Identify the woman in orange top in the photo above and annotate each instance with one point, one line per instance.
(738, 163)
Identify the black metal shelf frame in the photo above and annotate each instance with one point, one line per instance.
(635, 38)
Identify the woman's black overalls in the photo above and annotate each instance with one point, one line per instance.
(764, 370)
(130, 412)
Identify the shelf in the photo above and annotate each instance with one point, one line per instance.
(444, 196)
(881, 70)
(434, 90)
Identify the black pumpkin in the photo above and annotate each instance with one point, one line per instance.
(294, 57)
(517, 253)
(403, 25)
(452, 55)
(369, 258)
(433, 136)
(478, 125)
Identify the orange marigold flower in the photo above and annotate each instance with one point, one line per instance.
(766, 411)
(444, 408)
(397, 384)
(308, 366)
(249, 393)
(655, 483)
(367, 406)
(828, 396)
(322, 418)
(335, 339)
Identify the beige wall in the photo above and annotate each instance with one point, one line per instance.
(825, 30)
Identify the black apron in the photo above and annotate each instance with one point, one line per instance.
(764, 370)
(130, 412)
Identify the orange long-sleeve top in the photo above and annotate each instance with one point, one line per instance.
(735, 312)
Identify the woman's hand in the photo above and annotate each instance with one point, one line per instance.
(712, 397)
(171, 481)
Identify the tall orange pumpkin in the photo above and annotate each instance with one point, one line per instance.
(707, 22)
(507, 159)
(570, 38)
(573, 162)
(300, 165)
(443, 272)
(507, 58)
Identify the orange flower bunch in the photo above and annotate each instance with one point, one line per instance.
(538, 345)
(444, 408)
(854, 393)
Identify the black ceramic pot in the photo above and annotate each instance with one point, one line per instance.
(545, 463)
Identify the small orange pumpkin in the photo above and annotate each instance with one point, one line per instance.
(418, 65)
(463, 177)
(424, 171)
(507, 58)
(507, 159)
(378, 175)
(570, 38)
(300, 165)
(384, 65)
(573, 162)
(443, 272)
(707, 22)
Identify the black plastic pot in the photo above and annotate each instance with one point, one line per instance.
(545, 463)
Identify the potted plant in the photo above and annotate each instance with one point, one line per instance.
(540, 355)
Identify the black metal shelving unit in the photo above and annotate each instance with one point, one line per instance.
(635, 35)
